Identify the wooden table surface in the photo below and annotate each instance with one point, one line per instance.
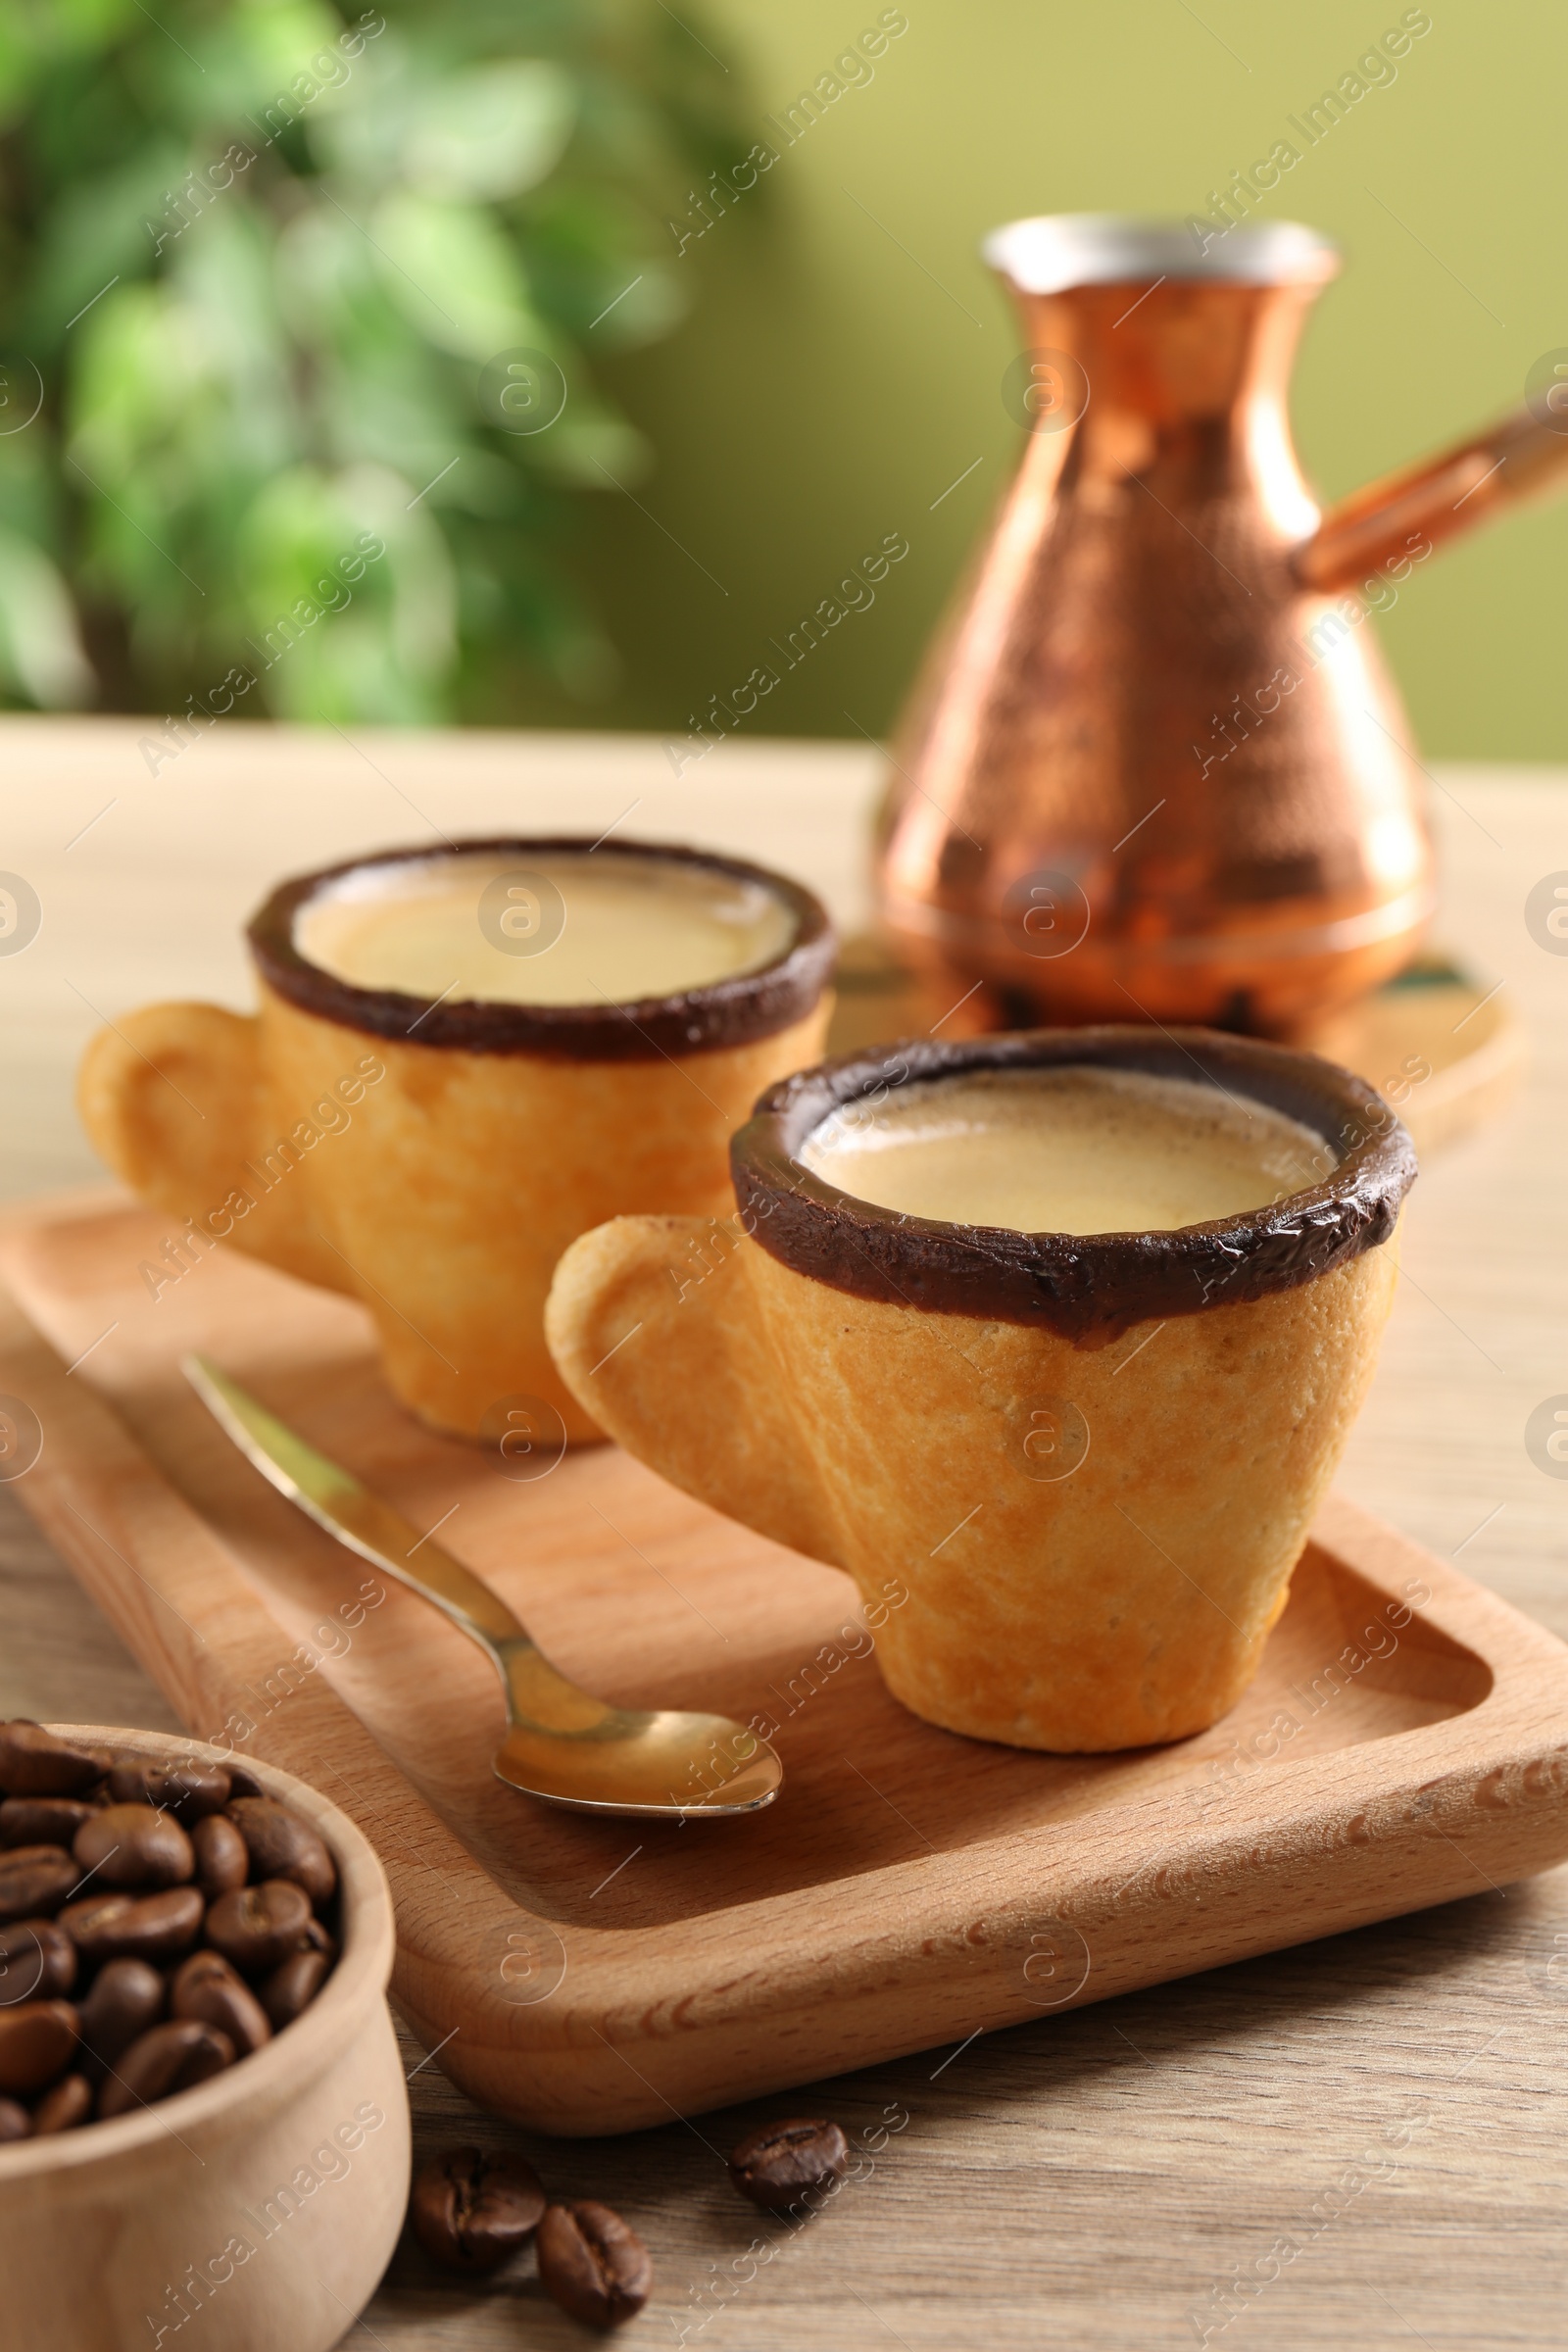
(1359, 2143)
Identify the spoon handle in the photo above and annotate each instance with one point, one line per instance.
(336, 1501)
(562, 1745)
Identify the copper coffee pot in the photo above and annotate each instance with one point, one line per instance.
(1154, 767)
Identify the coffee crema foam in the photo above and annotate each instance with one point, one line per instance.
(1066, 1149)
(605, 928)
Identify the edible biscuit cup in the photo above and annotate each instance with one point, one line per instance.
(1091, 1460)
(433, 1160)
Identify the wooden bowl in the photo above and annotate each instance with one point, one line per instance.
(266, 2200)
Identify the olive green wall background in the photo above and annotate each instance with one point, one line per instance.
(841, 367)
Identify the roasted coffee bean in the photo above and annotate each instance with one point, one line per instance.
(127, 1998)
(283, 1845)
(61, 2109)
(242, 1783)
(470, 2210)
(781, 2164)
(42, 1820)
(37, 2041)
(36, 1879)
(205, 1986)
(592, 2264)
(221, 1861)
(134, 1926)
(190, 1789)
(172, 2057)
(131, 1846)
(38, 1961)
(14, 2121)
(293, 1986)
(312, 1937)
(35, 1763)
(128, 1780)
(258, 1927)
(178, 1785)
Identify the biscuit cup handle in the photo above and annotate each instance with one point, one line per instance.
(675, 1363)
(173, 1100)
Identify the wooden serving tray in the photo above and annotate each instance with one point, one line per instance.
(1407, 1741)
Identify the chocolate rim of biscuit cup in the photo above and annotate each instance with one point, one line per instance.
(253, 2087)
(734, 1011)
(1086, 1288)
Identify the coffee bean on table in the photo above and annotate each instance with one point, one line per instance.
(293, 1986)
(36, 1879)
(283, 1845)
(14, 2121)
(592, 2264)
(205, 1986)
(221, 1861)
(132, 1927)
(172, 2057)
(126, 1998)
(178, 1785)
(42, 1820)
(37, 2041)
(37, 1959)
(258, 1927)
(62, 2107)
(35, 1763)
(470, 2210)
(780, 2164)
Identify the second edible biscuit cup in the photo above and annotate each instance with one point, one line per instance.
(1093, 1460)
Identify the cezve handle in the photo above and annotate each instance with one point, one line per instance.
(1514, 458)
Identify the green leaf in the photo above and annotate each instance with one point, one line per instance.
(593, 449)
(491, 134)
(453, 275)
(40, 649)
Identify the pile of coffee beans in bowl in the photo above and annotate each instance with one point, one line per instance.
(159, 1919)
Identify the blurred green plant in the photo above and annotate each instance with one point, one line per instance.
(254, 258)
